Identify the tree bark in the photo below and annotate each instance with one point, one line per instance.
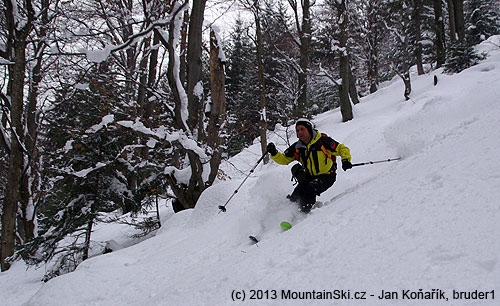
(439, 30)
(143, 79)
(304, 29)
(194, 66)
(218, 109)
(262, 85)
(459, 19)
(188, 193)
(407, 82)
(153, 64)
(456, 18)
(345, 103)
(417, 16)
(183, 46)
(373, 37)
(12, 197)
(451, 20)
(16, 43)
(353, 92)
(29, 181)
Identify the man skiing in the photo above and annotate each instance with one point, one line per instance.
(316, 153)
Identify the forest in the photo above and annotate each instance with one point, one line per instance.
(107, 106)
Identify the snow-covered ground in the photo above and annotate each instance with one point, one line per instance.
(426, 223)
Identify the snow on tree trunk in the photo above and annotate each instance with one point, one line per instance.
(344, 70)
(16, 43)
(262, 86)
(217, 114)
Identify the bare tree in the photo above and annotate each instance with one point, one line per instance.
(217, 114)
(254, 7)
(398, 23)
(16, 43)
(304, 31)
(340, 9)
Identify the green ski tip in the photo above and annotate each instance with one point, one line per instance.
(285, 226)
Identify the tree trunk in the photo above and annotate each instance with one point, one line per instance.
(458, 6)
(373, 38)
(353, 92)
(373, 75)
(30, 179)
(143, 79)
(305, 42)
(86, 243)
(451, 19)
(373, 64)
(407, 82)
(418, 35)
(153, 64)
(218, 110)
(456, 18)
(439, 30)
(262, 85)
(131, 60)
(183, 46)
(11, 200)
(194, 66)
(188, 194)
(345, 103)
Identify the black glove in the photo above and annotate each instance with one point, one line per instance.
(295, 169)
(346, 165)
(271, 148)
(299, 173)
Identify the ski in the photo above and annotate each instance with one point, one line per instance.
(254, 239)
(285, 226)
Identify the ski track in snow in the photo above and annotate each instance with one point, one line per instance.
(427, 221)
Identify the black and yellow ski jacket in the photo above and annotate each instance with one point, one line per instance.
(318, 157)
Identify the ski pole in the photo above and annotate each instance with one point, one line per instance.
(376, 162)
(223, 207)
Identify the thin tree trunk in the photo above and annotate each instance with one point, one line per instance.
(183, 46)
(88, 231)
(406, 80)
(353, 92)
(345, 103)
(373, 64)
(143, 78)
(305, 42)
(458, 6)
(451, 19)
(439, 30)
(262, 85)
(131, 60)
(418, 35)
(153, 63)
(373, 43)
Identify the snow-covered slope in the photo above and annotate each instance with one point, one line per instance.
(429, 221)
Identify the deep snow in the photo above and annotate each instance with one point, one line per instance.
(429, 221)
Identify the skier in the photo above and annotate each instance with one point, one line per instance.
(316, 153)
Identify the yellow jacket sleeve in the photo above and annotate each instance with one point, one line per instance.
(282, 159)
(342, 151)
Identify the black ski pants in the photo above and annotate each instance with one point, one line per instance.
(309, 187)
